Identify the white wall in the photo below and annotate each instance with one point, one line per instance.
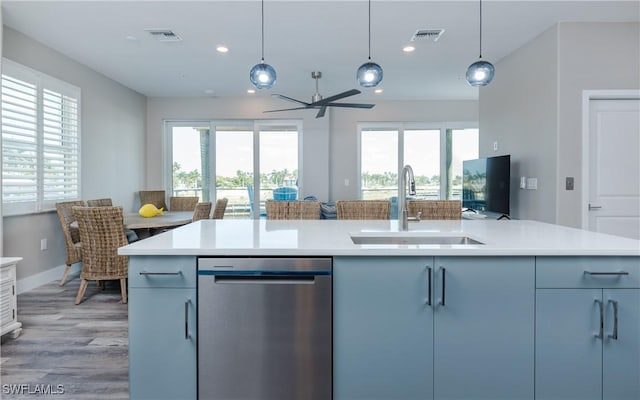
(112, 150)
(344, 134)
(1, 224)
(592, 56)
(315, 135)
(519, 111)
(533, 108)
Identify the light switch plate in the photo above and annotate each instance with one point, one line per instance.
(532, 183)
(523, 182)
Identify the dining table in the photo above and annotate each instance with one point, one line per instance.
(148, 226)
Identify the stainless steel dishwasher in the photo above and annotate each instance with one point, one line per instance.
(264, 328)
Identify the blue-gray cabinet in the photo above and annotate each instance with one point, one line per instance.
(433, 328)
(588, 328)
(162, 328)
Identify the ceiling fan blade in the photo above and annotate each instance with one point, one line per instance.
(283, 97)
(338, 96)
(321, 112)
(287, 109)
(351, 105)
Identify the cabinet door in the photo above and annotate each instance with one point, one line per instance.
(568, 353)
(162, 343)
(621, 353)
(484, 328)
(383, 332)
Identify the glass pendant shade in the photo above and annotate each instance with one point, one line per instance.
(369, 74)
(480, 73)
(262, 76)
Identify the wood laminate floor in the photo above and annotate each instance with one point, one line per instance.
(84, 348)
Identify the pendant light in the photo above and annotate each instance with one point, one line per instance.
(481, 72)
(262, 75)
(369, 74)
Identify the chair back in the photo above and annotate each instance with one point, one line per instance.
(221, 206)
(101, 233)
(155, 197)
(293, 209)
(99, 203)
(435, 209)
(363, 209)
(72, 241)
(202, 211)
(187, 203)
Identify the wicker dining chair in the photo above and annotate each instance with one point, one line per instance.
(187, 203)
(435, 209)
(72, 243)
(219, 209)
(155, 197)
(101, 233)
(99, 203)
(277, 209)
(363, 209)
(202, 211)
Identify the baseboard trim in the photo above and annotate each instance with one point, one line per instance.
(44, 277)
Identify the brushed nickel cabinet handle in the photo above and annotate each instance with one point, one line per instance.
(187, 335)
(146, 273)
(441, 302)
(429, 295)
(600, 333)
(614, 335)
(614, 273)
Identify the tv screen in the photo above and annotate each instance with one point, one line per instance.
(485, 184)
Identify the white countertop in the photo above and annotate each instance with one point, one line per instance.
(331, 237)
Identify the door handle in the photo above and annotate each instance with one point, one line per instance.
(441, 302)
(429, 302)
(600, 334)
(187, 335)
(614, 335)
(591, 207)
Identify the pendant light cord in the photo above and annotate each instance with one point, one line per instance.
(369, 30)
(262, 30)
(480, 29)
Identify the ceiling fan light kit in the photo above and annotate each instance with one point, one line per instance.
(369, 74)
(481, 72)
(262, 75)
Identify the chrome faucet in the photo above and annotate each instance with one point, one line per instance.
(403, 213)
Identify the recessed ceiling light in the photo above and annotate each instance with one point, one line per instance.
(131, 37)
(222, 49)
(251, 91)
(408, 49)
(378, 91)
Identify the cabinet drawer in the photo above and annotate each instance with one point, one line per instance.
(162, 271)
(588, 272)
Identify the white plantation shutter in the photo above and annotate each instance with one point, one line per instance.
(40, 140)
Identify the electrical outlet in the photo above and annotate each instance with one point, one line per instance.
(523, 182)
(346, 182)
(495, 146)
(43, 244)
(569, 183)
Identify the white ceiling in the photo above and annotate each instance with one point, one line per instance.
(300, 37)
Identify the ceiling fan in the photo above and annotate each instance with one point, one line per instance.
(320, 104)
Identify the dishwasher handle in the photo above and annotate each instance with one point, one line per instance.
(265, 277)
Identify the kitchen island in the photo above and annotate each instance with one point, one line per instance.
(449, 309)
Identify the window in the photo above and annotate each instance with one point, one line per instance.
(432, 152)
(245, 157)
(40, 140)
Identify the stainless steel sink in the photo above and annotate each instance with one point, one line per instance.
(418, 239)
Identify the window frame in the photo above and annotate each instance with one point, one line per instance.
(401, 127)
(43, 82)
(252, 125)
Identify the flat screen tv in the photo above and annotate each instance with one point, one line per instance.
(485, 184)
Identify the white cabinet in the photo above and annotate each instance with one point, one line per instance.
(8, 303)
(433, 328)
(588, 328)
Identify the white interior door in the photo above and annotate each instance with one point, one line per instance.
(614, 167)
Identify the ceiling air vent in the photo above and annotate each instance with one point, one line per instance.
(427, 34)
(164, 35)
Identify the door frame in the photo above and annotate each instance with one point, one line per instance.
(587, 96)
